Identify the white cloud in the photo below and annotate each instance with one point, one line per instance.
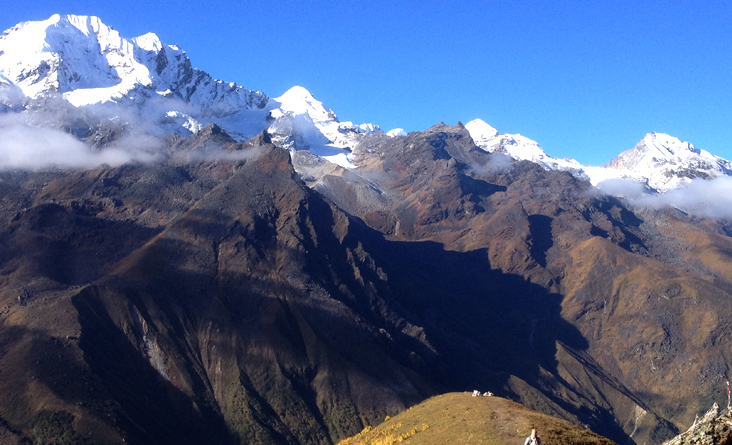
(25, 146)
(708, 198)
(623, 188)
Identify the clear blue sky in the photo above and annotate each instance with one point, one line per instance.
(585, 79)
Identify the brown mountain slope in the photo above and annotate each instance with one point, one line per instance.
(641, 353)
(225, 326)
(226, 302)
(459, 418)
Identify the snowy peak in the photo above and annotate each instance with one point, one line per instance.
(85, 62)
(656, 149)
(298, 101)
(481, 132)
(395, 132)
(664, 162)
(301, 122)
(67, 53)
(44, 57)
(660, 161)
(514, 145)
(88, 62)
(518, 147)
(668, 146)
(88, 25)
(149, 42)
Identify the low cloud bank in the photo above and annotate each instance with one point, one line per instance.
(34, 141)
(708, 198)
(27, 147)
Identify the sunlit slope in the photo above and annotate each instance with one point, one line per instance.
(659, 325)
(457, 418)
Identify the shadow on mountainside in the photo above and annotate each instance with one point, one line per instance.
(150, 408)
(53, 241)
(280, 343)
(271, 317)
(483, 325)
(477, 325)
(320, 340)
(541, 237)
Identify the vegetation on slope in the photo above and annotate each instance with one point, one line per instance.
(459, 418)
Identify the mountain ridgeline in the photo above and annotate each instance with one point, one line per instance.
(263, 273)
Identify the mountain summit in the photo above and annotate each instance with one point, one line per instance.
(88, 62)
(90, 66)
(660, 161)
(665, 162)
(518, 147)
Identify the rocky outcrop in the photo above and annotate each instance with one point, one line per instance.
(714, 428)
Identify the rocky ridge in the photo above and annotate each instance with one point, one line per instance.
(713, 428)
(294, 314)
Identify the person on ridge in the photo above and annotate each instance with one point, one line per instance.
(533, 439)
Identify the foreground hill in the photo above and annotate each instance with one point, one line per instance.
(458, 418)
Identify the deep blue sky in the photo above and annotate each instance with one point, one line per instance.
(585, 79)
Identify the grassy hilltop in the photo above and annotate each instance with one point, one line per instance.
(459, 418)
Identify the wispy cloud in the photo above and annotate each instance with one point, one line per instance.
(28, 147)
(39, 139)
(709, 198)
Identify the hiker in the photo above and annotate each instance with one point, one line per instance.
(533, 439)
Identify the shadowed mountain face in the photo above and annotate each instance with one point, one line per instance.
(227, 302)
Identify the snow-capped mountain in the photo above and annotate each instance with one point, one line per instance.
(660, 161)
(303, 122)
(90, 66)
(665, 162)
(518, 147)
(396, 132)
(88, 63)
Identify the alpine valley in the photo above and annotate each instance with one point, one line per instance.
(184, 260)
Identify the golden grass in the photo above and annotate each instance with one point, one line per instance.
(459, 418)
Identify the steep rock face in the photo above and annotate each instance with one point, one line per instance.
(266, 316)
(226, 298)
